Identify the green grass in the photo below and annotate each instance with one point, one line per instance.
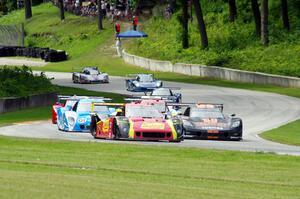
(32, 168)
(44, 112)
(287, 134)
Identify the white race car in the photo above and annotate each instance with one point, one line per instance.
(90, 75)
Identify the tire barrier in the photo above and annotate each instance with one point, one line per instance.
(49, 55)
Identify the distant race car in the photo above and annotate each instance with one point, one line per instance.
(78, 117)
(207, 121)
(144, 120)
(90, 75)
(167, 94)
(142, 83)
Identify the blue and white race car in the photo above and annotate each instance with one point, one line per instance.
(142, 83)
(77, 118)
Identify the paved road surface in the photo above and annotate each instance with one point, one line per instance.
(260, 111)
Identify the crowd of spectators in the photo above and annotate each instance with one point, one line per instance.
(114, 10)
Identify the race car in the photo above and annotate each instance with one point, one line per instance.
(142, 83)
(144, 120)
(207, 121)
(62, 101)
(77, 118)
(167, 94)
(90, 75)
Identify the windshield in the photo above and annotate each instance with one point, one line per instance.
(87, 107)
(145, 78)
(94, 72)
(160, 92)
(70, 103)
(143, 111)
(206, 113)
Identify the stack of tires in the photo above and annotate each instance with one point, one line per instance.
(49, 55)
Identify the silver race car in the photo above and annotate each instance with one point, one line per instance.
(90, 75)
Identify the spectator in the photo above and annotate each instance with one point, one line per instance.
(135, 22)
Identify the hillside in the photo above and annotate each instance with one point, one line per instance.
(230, 44)
(233, 45)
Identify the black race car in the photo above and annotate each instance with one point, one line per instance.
(207, 121)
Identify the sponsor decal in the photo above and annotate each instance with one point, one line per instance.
(150, 125)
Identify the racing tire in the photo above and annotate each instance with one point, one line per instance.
(60, 124)
(93, 126)
(116, 131)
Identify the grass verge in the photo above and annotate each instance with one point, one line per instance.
(32, 168)
(287, 134)
(44, 112)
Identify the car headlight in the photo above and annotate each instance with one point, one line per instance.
(187, 123)
(137, 84)
(235, 124)
(81, 120)
(158, 84)
(71, 121)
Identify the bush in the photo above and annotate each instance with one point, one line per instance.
(17, 82)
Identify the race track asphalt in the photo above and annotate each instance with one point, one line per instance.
(260, 111)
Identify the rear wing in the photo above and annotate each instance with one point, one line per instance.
(132, 76)
(79, 68)
(147, 97)
(199, 105)
(106, 104)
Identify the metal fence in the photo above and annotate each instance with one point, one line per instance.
(12, 35)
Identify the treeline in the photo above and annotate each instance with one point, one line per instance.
(10, 5)
(15, 82)
(260, 11)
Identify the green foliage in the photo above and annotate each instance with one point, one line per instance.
(22, 82)
(232, 45)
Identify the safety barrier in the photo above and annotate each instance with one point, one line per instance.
(16, 103)
(211, 71)
(49, 55)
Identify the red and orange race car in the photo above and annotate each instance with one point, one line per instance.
(139, 120)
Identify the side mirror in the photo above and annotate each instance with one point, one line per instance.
(232, 115)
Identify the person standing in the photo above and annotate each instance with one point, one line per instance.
(135, 22)
(119, 47)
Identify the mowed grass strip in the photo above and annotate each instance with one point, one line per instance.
(32, 168)
(287, 134)
(44, 112)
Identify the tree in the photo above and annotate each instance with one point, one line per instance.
(185, 33)
(100, 25)
(232, 10)
(264, 22)
(28, 12)
(61, 8)
(257, 18)
(201, 24)
(285, 15)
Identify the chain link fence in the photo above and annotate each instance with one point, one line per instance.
(12, 35)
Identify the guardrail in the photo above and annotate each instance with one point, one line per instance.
(16, 103)
(211, 71)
